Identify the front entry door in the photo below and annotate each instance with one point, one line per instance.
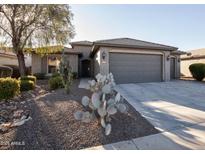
(86, 68)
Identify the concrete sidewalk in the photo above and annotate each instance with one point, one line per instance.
(182, 139)
(84, 83)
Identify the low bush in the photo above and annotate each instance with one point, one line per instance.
(75, 75)
(55, 75)
(16, 73)
(9, 88)
(40, 76)
(198, 71)
(5, 71)
(55, 83)
(26, 85)
(29, 78)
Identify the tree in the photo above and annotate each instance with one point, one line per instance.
(27, 26)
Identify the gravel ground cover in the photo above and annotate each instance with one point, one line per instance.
(53, 125)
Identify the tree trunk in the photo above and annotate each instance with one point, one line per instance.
(21, 62)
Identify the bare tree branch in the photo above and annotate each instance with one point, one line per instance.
(1, 10)
(6, 31)
(27, 37)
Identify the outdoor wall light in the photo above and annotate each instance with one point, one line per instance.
(104, 57)
(168, 57)
(179, 59)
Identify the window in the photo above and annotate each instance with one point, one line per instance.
(53, 64)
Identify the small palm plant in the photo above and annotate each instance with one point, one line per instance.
(103, 103)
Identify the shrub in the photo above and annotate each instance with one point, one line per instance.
(198, 71)
(55, 83)
(26, 85)
(5, 71)
(40, 76)
(75, 75)
(9, 88)
(16, 73)
(55, 75)
(29, 78)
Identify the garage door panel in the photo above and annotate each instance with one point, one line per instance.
(133, 68)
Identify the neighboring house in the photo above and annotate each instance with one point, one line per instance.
(8, 58)
(129, 60)
(194, 56)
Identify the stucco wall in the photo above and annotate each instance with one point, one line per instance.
(96, 63)
(36, 64)
(73, 61)
(166, 66)
(104, 66)
(40, 64)
(186, 63)
(44, 64)
(178, 71)
(85, 50)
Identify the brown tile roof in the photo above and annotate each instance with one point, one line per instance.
(194, 54)
(198, 52)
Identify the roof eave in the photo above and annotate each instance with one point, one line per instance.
(97, 45)
(179, 52)
(193, 57)
(80, 44)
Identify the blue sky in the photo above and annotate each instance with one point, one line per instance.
(182, 26)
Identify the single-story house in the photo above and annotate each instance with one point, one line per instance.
(193, 56)
(129, 60)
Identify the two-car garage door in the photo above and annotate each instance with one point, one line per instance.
(133, 68)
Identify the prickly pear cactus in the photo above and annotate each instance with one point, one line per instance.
(103, 103)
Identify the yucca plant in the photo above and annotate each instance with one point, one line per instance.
(103, 103)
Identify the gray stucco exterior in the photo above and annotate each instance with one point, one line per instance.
(40, 64)
(85, 55)
(90, 58)
(166, 55)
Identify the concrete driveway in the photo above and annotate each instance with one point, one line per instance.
(176, 108)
